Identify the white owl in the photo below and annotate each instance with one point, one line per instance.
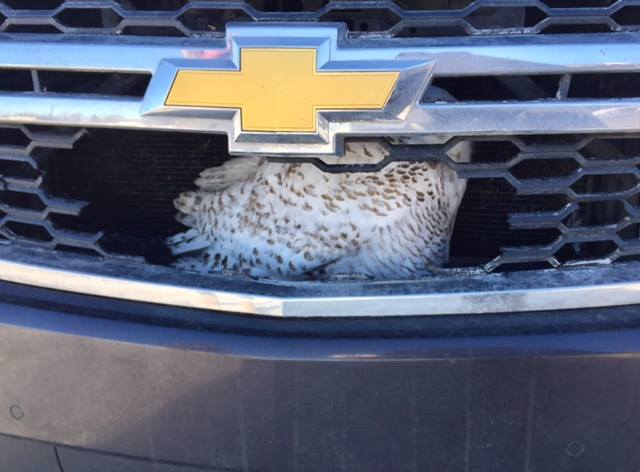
(292, 221)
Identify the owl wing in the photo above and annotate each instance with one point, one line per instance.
(190, 204)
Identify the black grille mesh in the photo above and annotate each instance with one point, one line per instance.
(403, 18)
(39, 82)
(133, 180)
(531, 202)
(28, 211)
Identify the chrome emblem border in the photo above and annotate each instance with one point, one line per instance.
(415, 75)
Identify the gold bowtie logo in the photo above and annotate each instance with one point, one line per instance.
(281, 90)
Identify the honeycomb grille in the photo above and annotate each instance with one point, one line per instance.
(400, 18)
(531, 202)
(28, 212)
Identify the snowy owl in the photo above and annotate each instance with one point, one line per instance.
(294, 221)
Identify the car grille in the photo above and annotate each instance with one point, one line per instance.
(400, 18)
(549, 102)
(536, 201)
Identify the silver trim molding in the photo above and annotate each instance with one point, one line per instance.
(464, 294)
(404, 115)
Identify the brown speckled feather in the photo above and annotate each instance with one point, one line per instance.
(291, 220)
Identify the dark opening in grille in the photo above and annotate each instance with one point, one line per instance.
(132, 178)
(79, 82)
(539, 87)
(405, 18)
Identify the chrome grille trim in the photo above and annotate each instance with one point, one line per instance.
(455, 119)
(517, 56)
(527, 55)
(465, 294)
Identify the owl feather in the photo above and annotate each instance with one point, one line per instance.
(290, 221)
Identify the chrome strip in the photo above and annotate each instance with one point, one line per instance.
(486, 119)
(463, 294)
(521, 55)
(404, 116)
(126, 289)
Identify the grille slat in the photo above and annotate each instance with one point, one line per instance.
(372, 18)
(26, 206)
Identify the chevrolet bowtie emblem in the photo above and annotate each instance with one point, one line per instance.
(280, 90)
(290, 90)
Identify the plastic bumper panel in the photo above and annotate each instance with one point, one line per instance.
(99, 394)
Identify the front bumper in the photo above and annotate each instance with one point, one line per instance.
(92, 390)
